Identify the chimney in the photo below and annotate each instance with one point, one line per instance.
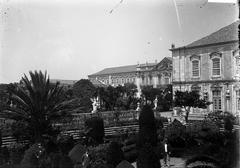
(173, 46)
(155, 61)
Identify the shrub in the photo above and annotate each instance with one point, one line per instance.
(130, 149)
(95, 129)
(147, 158)
(147, 140)
(228, 124)
(98, 155)
(202, 160)
(16, 152)
(31, 156)
(114, 154)
(176, 128)
(65, 143)
(147, 127)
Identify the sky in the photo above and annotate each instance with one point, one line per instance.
(71, 39)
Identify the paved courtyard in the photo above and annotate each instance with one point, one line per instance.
(174, 163)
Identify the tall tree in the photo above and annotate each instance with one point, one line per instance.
(38, 104)
(147, 140)
(165, 100)
(84, 90)
(189, 99)
(151, 93)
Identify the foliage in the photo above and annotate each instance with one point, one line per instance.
(187, 100)
(65, 143)
(84, 90)
(147, 139)
(19, 132)
(225, 118)
(39, 104)
(147, 127)
(121, 97)
(114, 154)
(4, 96)
(129, 149)
(204, 161)
(150, 93)
(95, 129)
(32, 156)
(16, 152)
(176, 128)
(98, 156)
(147, 157)
(164, 96)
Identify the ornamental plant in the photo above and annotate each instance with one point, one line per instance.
(147, 140)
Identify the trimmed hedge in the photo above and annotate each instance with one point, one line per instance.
(95, 129)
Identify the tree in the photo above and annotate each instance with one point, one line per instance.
(189, 99)
(151, 93)
(84, 90)
(147, 140)
(38, 104)
(167, 98)
(109, 96)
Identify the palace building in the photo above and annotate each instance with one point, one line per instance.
(155, 74)
(211, 65)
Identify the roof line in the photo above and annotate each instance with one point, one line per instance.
(111, 73)
(184, 47)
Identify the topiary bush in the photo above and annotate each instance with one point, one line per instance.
(65, 143)
(95, 129)
(32, 156)
(147, 127)
(114, 154)
(16, 152)
(98, 157)
(147, 140)
(130, 149)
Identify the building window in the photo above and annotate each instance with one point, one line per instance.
(195, 68)
(216, 64)
(216, 67)
(150, 80)
(217, 100)
(236, 66)
(238, 99)
(166, 80)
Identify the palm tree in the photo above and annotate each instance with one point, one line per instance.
(39, 104)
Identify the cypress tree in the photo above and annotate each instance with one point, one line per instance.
(147, 140)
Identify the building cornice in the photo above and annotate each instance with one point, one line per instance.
(205, 45)
(203, 81)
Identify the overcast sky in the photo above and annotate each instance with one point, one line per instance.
(74, 38)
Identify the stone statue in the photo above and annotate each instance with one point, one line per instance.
(94, 105)
(155, 103)
(138, 106)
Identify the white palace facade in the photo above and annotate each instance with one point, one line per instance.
(158, 74)
(211, 65)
